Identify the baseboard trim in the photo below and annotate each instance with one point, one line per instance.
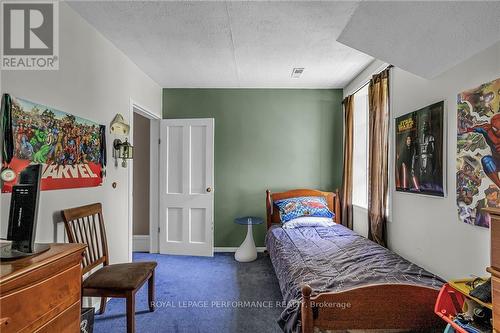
(140, 243)
(233, 249)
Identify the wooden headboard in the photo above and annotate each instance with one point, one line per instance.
(272, 211)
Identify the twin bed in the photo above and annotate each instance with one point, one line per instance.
(334, 279)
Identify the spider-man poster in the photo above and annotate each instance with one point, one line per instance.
(478, 152)
(68, 147)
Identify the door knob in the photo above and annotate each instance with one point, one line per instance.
(209, 189)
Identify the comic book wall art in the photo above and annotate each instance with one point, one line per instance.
(419, 151)
(68, 147)
(478, 152)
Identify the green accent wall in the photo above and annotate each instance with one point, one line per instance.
(277, 139)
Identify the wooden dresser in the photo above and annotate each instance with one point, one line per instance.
(42, 293)
(494, 269)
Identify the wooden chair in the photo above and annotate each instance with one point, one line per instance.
(86, 225)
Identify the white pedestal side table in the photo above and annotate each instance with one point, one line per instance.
(247, 251)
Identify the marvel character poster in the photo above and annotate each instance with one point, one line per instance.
(478, 152)
(419, 151)
(68, 147)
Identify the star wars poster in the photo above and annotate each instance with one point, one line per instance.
(68, 147)
(419, 151)
(478, 152)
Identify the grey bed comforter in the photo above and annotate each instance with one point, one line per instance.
(333, 259)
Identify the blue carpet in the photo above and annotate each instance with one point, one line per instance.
(199, 295)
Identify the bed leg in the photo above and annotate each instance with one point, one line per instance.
(306, 310)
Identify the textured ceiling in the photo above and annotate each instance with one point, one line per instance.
(231, 44)
(425, 38)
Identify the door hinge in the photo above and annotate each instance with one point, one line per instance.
(159, 141)
(158, 229)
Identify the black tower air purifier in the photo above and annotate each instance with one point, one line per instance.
(23, 216)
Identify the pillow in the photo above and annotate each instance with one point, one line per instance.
(292, 208)
(309, 221)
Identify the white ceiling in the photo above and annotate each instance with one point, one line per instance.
(425, 38)
(231, 44)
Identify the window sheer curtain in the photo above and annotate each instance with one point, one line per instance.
(378, 173)
(346, 199)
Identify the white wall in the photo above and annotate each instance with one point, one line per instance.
(360, 220)
(94, 81)
(426, 230)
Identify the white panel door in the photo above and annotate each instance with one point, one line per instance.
(187, 186)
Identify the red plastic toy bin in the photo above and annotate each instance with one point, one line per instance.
(448, 304)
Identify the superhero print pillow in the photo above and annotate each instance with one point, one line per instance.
(292, 208)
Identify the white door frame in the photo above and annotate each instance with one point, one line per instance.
(154, 172)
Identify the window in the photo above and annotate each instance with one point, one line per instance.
(360, 149)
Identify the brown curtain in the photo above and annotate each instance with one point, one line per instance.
(378, 99)
(346, 199)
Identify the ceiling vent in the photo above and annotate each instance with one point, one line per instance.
(297, 72)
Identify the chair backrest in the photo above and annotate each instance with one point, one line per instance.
(86, 225)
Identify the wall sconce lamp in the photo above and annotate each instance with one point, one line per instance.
(119, 126)
(123, 150)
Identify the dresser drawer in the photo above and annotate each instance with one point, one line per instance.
(32, 307)
(495, 245)
(66, 322)
(495, 290)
